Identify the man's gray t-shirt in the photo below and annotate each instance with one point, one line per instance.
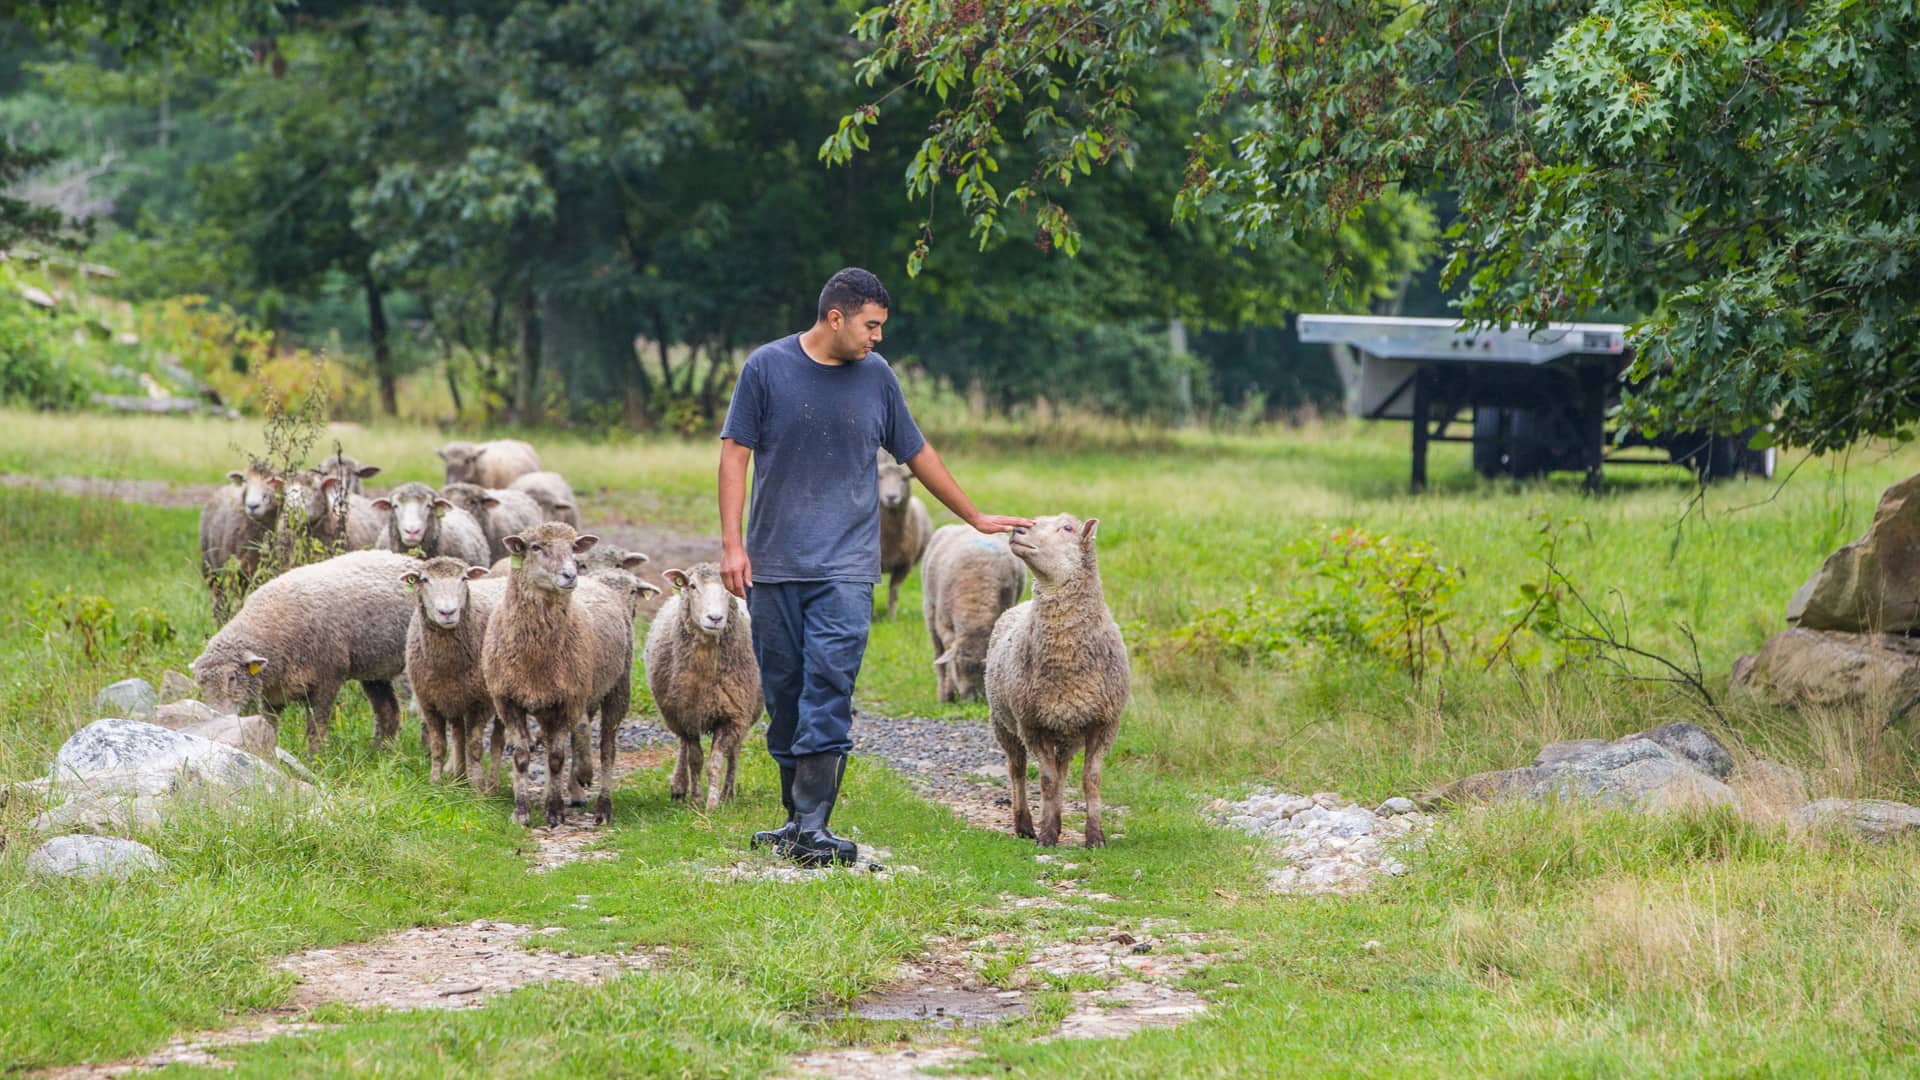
(813, 429)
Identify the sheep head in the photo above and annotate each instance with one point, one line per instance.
(259, 494)
(627, 585)
(349, 471)
(416, 511)
(707, 606)
(896, 485)
(609, 557)
(230, 676)
(440, 586)
(472, 498)
(462, 462)
(965, 662)
(1058, 548)
(309, 499)
(547, 556)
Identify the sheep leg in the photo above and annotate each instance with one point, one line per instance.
(498, 773)
(456, 736)
(554, 732)
(582, 780)
(610, 717)
(719, 771)
(696, 771)
(678, 789)
(320, 716)
(433, 729)
(1016, 780)
(734, 737)
(893, 587)
(476, 752)
(514, 720)
(942, 680)
(1052, 775)
(386, 711)
(1090, 786)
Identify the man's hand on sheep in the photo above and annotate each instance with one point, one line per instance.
(999, 523)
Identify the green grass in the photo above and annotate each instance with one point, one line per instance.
(1528, 941)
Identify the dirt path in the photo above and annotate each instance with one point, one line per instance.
(146, 492)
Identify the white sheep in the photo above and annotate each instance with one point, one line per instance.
(701, 669)
(1057, 674)
(553, 493)
(454, 602)
(904, 528)
(966, 581)
(419, 520)
(500, 512)
(490, 464)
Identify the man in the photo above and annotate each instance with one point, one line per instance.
(810, 410)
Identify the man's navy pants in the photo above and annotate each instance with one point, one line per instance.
(809, 638)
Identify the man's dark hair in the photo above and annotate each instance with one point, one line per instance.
(850, 290)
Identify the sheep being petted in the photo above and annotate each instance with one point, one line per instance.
(500, 512)
(705, 682)
(419, 520)
(1057, 675)
(453, 603)
(559, 646)
(966, 581)
(306, 632)
(489, 464)
(553, 493)
(904, 528)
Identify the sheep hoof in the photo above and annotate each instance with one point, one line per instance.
(602, 810)
(1096, 838)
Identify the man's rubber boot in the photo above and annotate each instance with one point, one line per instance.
(775, 838)
(816, 784)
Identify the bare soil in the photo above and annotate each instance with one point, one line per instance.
(147, 492)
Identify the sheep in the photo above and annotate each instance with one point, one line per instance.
(315, 508)
(1057, 675)
(418, 519)
(602, 557)
(701, 669)
(500, 512)
(349, 471)
(558, 646)
(904, 528)
(553, 493)
(966, 581)
(489, 464)
(236, 523)
(301, 635)
(444, 638)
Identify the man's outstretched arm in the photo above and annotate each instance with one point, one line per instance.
(932, 473)
(735, 570)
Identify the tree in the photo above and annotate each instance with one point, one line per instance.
(1747, 176)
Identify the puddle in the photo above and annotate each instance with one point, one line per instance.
(945, 1007)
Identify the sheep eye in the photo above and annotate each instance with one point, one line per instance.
(537, 547)
(1066, 528)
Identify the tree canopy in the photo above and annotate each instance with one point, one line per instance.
(1745, 176)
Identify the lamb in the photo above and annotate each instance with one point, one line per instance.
(966, 582)
(349, 471)
(314, 507)
(303, 634)
(489, 464)
(235, 525)
(418, 519)
(449, 625)
(701, 669)
(1057, 675)
(500, 512)
(558, 646)
(904, 528)
(553, 493)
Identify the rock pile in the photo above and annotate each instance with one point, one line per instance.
(1673, 766)
(1330, 845)
(1847, 642)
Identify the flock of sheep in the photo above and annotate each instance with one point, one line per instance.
(503, 618)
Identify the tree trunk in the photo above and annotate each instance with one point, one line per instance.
(382, 347)
(524, 404)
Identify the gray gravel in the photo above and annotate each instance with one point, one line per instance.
(943, 758)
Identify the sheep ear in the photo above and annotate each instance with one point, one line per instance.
(633, 561)
(329, 482)
(475, 573)
(367, 472)
(256, 663)
(1086, 535)
(383, 505)
(584, 544)
(515, 544)
(649, 587)
(276, 483)
(236, 477)
(561, 508)
(944, 658)
(490, 503)
(440, 507)
(677, 577)
(441, 454)
(411, 579)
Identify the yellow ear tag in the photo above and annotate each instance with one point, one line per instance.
(254, 666)
(517, 562)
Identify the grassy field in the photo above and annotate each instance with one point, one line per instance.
(1527, 941)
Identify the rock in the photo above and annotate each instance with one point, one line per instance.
(1874, 819)
(132, 698)
(181, 715)
(1826, 667)
(1632, 772)
(1488, 786)
(1396, 806)
(113, 745)
(1567, 750)
(1872, 584)
(1691, 743)
(93, 857)
(1768, 790)
(176, 687)
(254, 734)
(85, 814)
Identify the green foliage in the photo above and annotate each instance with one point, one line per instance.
(90, 623)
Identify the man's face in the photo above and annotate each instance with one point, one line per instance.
(856, 335)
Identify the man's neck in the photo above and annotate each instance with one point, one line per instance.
(814, 343)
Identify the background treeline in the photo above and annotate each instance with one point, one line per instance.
(588, 211)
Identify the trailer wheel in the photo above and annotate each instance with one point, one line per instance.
(1489, 442)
